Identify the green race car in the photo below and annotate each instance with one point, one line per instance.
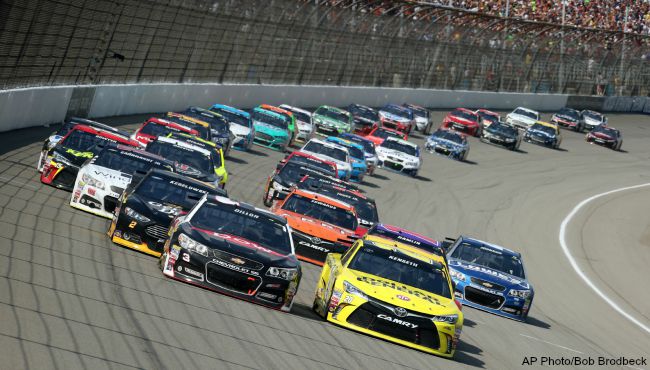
(332, 121)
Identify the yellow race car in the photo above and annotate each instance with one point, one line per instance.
(391, 291)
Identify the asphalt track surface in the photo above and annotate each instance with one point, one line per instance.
(71, 299)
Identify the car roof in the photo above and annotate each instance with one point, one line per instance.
(307, 155)
(183, 144)
(276, 109)
(328, 144)
(344, 142)
(292, 108)
(164, 122)
(401, 141)
(109, 134)
(336, 109)
(232, 110)
(478, 242)
(323, 198)
(179, 177)
(413, 252)
(188, 119)
(464, 110)
(269, 112)
(547, 124)
(526, 109)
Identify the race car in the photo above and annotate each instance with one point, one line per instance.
(357, 157)
(423, 122)
(202, 127)
(241, 125)
(271, 129)
(65, 128)
(502, 134)
(569, 118)
(331, 181)
(448, 143)
(332, 121)
(397, 118)
(293, 127)
(400, 155)
(365, 207)
(154, 127)
(303, 121)
(219, 127)
(490, 278)
(235, 249)
(487, 117)
(279, 183)
(394, 292)
(378, 135)
(216, 152)
(101, 181)
(142, 217)
(190, 160)
(368, 150)
(326, 166)
(331, 152)
(365, 118)
(522, 118)
(605, 136)
(544, 133)
(593, 119)
(463, 120)
(318, 223)
(404, 236)
(63, 161)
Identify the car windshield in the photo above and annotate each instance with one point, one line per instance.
(381, 133)
(543, 128)
(300, 116)
(398, 111)
(355, 152)
(293, 171)
(594, 115)
(154, 129)
(233, 117)
(329, 151)
(364, 112)
(368, 146)
(419, 112)
(492, 258)
(398, 237)
(79, 140)
(525, 113)
(502, 129)
(569, 113)
(488, 116)
(399, 267)
(401, 147)
(336, 115)
(366, 209)
(324, 167)
(246, 223)
(321, 211)
(194, 159)
(606, 130)
(449, 135)
(270, 119)
(217, 123)
(126, 163)
(470, 116)
(171, 190)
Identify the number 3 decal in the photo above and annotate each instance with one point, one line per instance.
(186, 257)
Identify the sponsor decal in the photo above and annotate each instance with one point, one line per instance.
(348, 299)
(238, 261)
(77, 153)
(323, 204)
(408, 240)
(91, 191)
(402, 260)
(403, 297)
(491, 291)
(176, 250)
(400, 312)
(395, 320)
(267, 295)
(235, 267)
(188, 187)
(399, 287)
(313, 246)
(191, 272)
(246, 213)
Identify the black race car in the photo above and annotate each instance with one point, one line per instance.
(502, 134)
(236, 249)
(279, 184)
(569, 118)
(219, 126)
(366, 207)
(146, 209)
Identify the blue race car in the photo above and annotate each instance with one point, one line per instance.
(448, 143)
(241, 125)
(372, 161)
(357, 154)
(490, 278)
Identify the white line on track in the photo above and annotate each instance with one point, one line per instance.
(577, 268)
(552, 344)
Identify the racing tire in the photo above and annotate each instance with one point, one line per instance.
(314, 307)
(464, 157)
(479, 131)
(268, 199)
(161, 261)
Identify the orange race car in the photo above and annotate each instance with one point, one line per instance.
(320, 224)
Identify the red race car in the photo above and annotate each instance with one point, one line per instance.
(328, 167)
(487, 117)
(379, 134)
(463, 120)
(154, 127)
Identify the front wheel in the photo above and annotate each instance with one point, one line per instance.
(268, 198)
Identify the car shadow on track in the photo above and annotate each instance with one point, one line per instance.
(562, 149)
(257, 153)
(379, 177)
(236, 160)
(537, 323)
(464, 354)
(423, 178)
(520, 151)
(369, 184)
(305, 312)
(467, 161)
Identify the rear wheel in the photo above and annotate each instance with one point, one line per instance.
(268, 197)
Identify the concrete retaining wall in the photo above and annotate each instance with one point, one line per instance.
(21, 108)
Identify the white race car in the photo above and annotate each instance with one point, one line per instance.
(399, 155)
(593, 119)
(331, 152)
(101, 181)
(303, 120)
(522, 118)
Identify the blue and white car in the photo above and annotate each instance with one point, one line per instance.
(372, 161)
(449, 143)
(359, 167)
(400, 156)
(241, 125)
(490, 278)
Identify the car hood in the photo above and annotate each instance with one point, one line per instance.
(265, 128)
(446, 143)
(564, 118)
(326, 119)
(393, 117)
(485, 273)
(402, 295)
(592, 122)
(109, 176)
(540, 133)
(339, 164)
(601, 135)
(522, 118)
(462, 121)
(240, 130)
(384, 152)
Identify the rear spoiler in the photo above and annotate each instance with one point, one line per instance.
(448, 242)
